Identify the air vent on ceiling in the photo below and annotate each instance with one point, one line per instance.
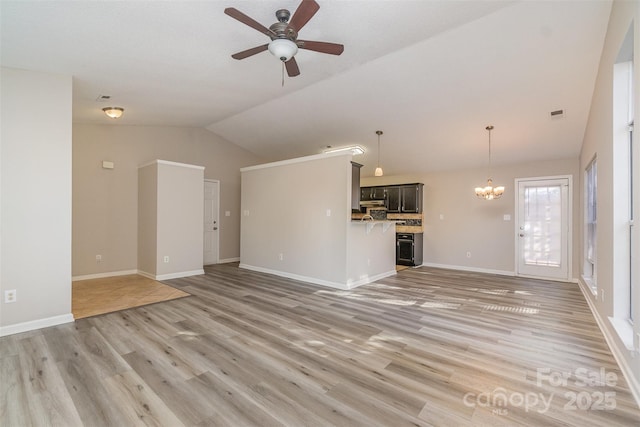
(557, 114)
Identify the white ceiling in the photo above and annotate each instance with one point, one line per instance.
(430, 74)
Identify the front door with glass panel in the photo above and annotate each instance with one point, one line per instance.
(543, 228)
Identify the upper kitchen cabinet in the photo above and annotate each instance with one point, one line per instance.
(404, 198)
(373, 193)
(378, 193)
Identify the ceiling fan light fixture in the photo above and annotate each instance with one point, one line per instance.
(283, 49)
(113, 112)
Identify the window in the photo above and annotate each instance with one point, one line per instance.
(633, 280)
(591, 217)
(625, 172)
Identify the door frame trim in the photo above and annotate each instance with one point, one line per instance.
(217, 181)
(516, 198)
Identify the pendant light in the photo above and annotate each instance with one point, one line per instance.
(489, 192)
(378, 171)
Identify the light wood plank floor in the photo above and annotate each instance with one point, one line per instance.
(425, 347)
(105, 295)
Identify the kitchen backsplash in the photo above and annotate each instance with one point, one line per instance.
(378, 214)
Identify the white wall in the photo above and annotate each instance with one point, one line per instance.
(598, 141)
(180, 220)
(105, 202)
(287, 205)
(170, 220)
(36, 199)
(148, 219)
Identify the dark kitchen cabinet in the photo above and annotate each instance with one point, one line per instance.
(373, 193)
(378, 193)
(393, 202)
(365, 194)
(411, 196)
(404, 198)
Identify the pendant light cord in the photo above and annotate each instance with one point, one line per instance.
(378, 148)
(490, 128)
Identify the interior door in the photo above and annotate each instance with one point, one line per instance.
(211, 221)
(543, 228)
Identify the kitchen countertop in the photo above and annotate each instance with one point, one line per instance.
(399, 219)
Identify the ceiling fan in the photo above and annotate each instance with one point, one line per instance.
(284, 35)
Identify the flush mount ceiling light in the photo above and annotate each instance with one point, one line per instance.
(489, 192)
(355, 149)
(378, 171)
(113, 112)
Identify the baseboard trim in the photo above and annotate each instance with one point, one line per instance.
(228, 260)
(370, 279)
(35, 324)
(147, 275)
(313, 280)
(632, 381)
(103, 275)
(170, 276)
(471, 269)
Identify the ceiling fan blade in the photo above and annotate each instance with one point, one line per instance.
(236, 14)
(322, 47)
(305, 11)
(250, 52)
(292, 67)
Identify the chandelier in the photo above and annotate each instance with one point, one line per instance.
(489, 192)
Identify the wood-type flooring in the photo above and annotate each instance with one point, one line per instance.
(105, 295)
(427, 347)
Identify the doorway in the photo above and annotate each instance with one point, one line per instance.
(543, 227)
(211, 221)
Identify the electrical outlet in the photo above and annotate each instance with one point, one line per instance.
(166, 259)
(10, 296)
(98, 258)
(280, 256)
(468, 254)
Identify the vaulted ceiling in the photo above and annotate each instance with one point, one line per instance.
(430, 74)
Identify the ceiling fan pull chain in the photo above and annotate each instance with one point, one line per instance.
(282, 73)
